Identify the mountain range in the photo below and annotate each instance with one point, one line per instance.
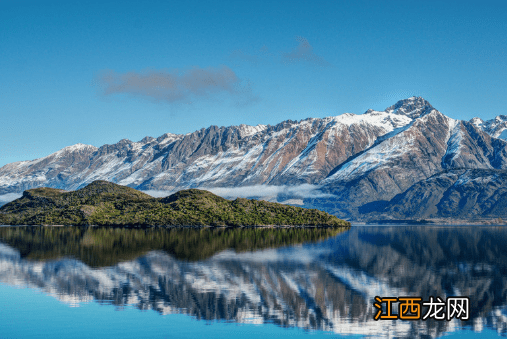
(409, 161)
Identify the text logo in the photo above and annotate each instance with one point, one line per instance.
(410, 308)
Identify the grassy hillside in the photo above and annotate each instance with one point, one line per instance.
(106, 204)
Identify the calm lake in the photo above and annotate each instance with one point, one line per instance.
(70, 282)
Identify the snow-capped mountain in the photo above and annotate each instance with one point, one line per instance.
(350, 159)
(288, 153)
(431, 144)
(495, 127)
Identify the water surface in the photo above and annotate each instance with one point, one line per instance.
(99, 282)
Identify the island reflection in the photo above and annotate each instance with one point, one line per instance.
(106, 246)
(215, 274)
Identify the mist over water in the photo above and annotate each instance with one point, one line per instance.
(320, 280)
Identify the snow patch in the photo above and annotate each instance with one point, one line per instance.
(77, 147)
(455, 139)
(384, 120)
(377, 156)
(481, 180)
(247, 130)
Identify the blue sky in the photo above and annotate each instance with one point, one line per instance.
(96, 72)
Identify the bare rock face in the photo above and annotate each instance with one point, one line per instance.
(352, 159)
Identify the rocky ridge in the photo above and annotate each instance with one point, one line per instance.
(350, 160)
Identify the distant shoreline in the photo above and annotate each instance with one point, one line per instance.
(433, 222)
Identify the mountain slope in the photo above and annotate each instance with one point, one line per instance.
(457, 194)
(431, 144)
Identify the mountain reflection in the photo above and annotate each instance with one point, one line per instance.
(216, 275)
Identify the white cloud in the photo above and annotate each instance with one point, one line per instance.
(264, 192)
(299, 191)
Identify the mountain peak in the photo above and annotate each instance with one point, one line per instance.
(103, 186)
(413, 107)
(247, 130)
(77, 147)
(496, 127)
(476, 121)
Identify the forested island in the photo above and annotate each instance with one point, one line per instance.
(102, 203)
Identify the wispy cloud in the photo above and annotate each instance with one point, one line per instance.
(304, 52)
(177, 85)
(301, 53)
(265, 192)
